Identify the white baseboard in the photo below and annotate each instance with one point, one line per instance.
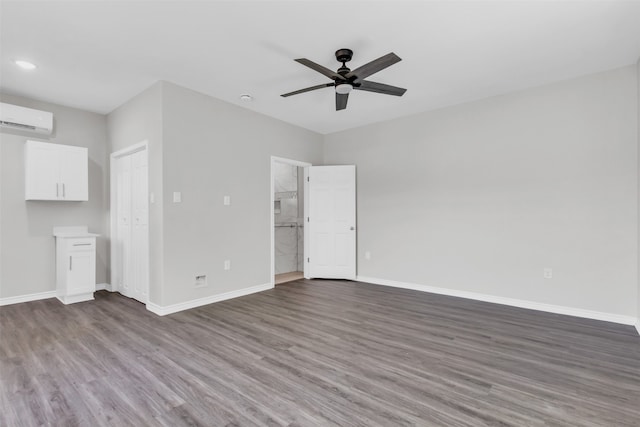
(532, 305)
(72, 299)
(174, 308)
(638, 326)
(104, 287)
(27, 298)
(44, 295)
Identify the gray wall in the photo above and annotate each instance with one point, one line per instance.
(638, 113)
(481, 197)
(212, 149)
(140, 119)
(206, 149)
(27, 248)
(478, 197)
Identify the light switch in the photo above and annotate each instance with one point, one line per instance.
(177, 197)
(227, 200)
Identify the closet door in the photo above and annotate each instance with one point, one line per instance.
(123, 238)
(140, 226)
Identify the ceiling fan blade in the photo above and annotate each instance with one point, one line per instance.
(380, 88)
(341, 101)
(374, 66)
(307, 89)
(319, 68)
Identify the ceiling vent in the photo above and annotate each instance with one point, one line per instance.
(26, 119)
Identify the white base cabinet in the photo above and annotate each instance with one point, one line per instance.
(75, 264)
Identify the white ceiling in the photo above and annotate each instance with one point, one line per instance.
(97, 55)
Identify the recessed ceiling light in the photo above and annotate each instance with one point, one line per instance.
(26, 65)
(246, 97)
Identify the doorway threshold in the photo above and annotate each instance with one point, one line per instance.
(288, 277)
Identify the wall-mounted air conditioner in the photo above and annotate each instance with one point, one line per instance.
(26, 119)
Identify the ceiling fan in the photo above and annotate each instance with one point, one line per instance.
(345, 80)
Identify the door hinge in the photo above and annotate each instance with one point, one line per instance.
(308, 260)
(307, 179)
(307, 219)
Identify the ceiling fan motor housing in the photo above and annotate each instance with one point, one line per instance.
(344, 55)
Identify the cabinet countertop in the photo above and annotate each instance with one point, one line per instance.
(73, 231)
(68, 234)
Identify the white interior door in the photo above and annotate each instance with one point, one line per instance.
(140, 226)
(332, 222)
(131, 236)
(123, 234)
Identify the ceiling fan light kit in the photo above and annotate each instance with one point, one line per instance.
(344, 88)
(345, 80)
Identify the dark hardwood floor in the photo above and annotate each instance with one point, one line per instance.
(314, 353)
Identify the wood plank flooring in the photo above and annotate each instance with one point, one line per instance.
(314, 353)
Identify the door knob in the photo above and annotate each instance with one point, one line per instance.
(352, 228)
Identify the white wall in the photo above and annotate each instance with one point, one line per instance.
(212, 149)
(27, 247)
(140, 119)
(481, 197)
(638, 118)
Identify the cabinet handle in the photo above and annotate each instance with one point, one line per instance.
(63, 190)
(82, 244)
(57, 189)
(70, 262)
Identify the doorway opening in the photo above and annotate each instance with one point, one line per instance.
(130, 222)
(287, 220)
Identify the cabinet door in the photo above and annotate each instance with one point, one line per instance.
(74, 174)
(42, 179)
(82, 276)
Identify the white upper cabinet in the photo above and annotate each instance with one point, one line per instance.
(56, 172)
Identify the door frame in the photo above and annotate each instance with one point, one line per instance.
(127, 151)
(297, 163)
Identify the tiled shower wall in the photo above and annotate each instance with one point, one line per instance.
(289, 230)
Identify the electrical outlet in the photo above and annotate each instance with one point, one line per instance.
(226, 200)
(201, 281)
(177, 197)
(547, 273)
(227, 264)
(367, 255)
